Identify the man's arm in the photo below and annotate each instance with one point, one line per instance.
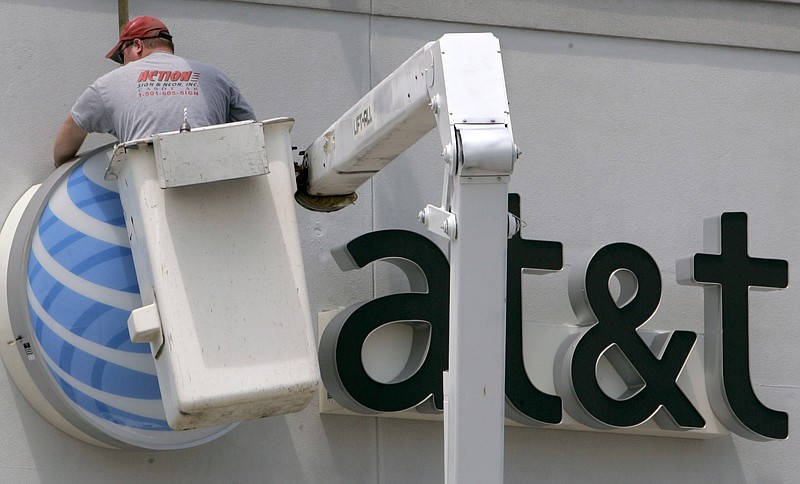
(68, 141)
(239, 109)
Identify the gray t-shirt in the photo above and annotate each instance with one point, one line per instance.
(148, 96)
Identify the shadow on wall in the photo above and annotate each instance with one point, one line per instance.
(562, 456)
(265, 448)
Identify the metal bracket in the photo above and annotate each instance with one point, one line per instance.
(485, 150)
(119, 156)
(439, 221)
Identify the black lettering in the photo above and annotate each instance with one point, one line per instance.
(652, 389)
(425, 308)
(728, 277)
(525, 403)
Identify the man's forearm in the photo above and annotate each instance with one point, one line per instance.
(68, 141)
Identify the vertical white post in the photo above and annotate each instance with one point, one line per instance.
(475, 383)
(461, 78)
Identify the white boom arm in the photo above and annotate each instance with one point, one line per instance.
(455, 84)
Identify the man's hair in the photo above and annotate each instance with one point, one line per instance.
(159, 42)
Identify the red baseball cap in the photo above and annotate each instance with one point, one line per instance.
(143, 27)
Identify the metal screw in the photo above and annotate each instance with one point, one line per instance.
(449, 227)
(447, 153)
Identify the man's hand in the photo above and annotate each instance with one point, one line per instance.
(68, 141)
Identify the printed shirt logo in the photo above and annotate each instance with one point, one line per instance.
(168, 83)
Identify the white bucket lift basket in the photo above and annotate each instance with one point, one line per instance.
(207, 218)
(212, 226)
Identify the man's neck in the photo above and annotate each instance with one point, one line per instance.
(156, 51)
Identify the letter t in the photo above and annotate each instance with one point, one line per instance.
(727, 278)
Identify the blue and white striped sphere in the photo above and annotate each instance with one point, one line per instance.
(81, 286)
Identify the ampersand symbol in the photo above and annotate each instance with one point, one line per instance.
(652, 389)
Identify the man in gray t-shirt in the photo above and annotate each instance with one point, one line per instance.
(149, 93)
